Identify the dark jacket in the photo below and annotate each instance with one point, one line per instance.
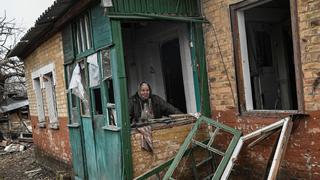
(159, 106)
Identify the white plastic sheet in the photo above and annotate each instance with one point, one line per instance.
(75, 84)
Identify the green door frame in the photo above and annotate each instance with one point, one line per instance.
(121, 97)
(120, 86)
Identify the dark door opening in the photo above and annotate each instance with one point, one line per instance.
(172, 72)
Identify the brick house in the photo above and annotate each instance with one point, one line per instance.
(256, 62)
(263, 64)
(84, 58)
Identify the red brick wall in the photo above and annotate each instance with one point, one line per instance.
(303, 152)
(166, 143)
(53, 142)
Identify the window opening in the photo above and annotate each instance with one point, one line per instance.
(159, 53)
(97, 101)
(267, 60)
(107, 80)
(172, 73)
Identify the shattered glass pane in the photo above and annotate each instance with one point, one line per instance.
(106, 63)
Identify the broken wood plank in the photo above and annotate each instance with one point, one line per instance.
(281, 147)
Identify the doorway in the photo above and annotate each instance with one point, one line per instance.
(172, 73)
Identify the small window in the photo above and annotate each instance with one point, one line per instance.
(83, 34)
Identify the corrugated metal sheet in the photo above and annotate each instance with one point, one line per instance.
(160, 7)
(14, 105)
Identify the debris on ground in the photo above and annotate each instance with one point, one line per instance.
(17, 162)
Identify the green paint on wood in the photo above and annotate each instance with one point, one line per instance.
(77, 153)
(67, 41)
(108, 148)
(100, 27)
(201, 60)
(172, 7)
(194, 66)
(89, 145)
(226, 157)
(121, 98)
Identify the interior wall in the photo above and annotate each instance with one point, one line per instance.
(142, 58)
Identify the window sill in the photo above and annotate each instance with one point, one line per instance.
(73, 125)
(42, 125)
(54, 126)
(272, 113)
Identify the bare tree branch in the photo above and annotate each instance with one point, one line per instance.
(11, 69)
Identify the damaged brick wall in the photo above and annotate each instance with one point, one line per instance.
(53, 143)
(166, 143)
(303, 152)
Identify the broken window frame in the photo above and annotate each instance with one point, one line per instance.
(76, 105)
(107, 87)
(73, 101)
(84, 106)
(244, 102)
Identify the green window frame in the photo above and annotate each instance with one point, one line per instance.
(82, 32)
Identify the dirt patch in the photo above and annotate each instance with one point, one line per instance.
(22, 165)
